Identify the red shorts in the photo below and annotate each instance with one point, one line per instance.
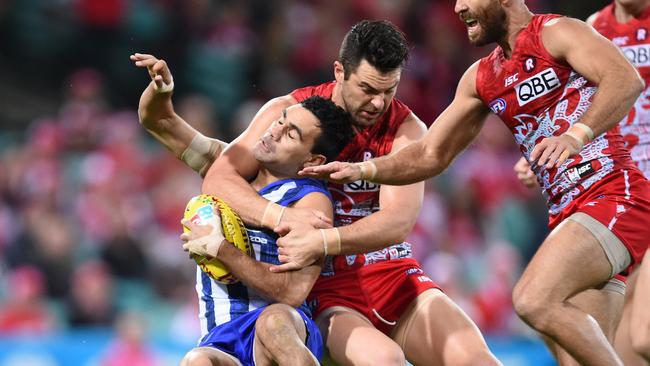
(381, 291)
(621, 202)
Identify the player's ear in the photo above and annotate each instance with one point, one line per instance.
(339, 72)
(314, 160)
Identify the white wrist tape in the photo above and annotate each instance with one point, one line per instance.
(586, 129)
(197, 152)
(210, 244)
(368, 170)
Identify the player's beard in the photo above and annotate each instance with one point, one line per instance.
(493, 21)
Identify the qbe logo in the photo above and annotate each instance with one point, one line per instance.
(638, 55)
(537, 86)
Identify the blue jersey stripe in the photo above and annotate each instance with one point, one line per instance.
(239, 300)
(207, 298)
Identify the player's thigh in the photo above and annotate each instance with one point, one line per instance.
(207, 356)
(435, 331)
(570, 260)
(352, 340)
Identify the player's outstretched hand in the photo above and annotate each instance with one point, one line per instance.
(203, 240)
(553, 151)
(300, 246)
(158, 71)
(314, 218)
(336, 171)
(524, 173)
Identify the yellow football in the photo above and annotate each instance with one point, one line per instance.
(199, 210)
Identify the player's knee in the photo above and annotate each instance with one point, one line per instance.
(481, 357)
(195, 358)
(389, 355)
(277, 321)
(468, 349)
(529, 307)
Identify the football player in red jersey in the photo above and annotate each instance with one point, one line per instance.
(562, 105)
(380, 299)
(626, 23)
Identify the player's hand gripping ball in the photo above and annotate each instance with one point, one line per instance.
(200, 210)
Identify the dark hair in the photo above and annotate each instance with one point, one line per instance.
(335, 125)
(379, 42)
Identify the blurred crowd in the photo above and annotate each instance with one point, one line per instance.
(90, 205)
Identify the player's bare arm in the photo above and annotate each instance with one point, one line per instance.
(301, 245)
(399, 205)
(449, 135)
(601, 62)
(290, 287)
(157, 116)
(229, 175)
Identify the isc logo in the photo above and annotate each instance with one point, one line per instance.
(536, 86)
(638, 55)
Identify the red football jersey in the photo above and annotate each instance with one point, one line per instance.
(354, 201)
(634, 40)
(538, 96)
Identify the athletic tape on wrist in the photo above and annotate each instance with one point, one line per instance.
(337, 250)
(277, 223)
(271, 217)
(586, 129)
(195, 153)
(577, 138)
(322, 234)
(368, 170)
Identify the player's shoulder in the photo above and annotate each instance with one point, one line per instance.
(324, 90)
(284, 101)
(412, 128)
(592, 18)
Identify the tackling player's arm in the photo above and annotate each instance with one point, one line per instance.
(619, 85)
(302, 245)
(228, 176)
(157, 116)
(399, 205)
(447, 137)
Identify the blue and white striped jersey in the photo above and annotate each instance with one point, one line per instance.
(219, 303)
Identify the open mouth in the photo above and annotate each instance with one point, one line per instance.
(265, 145)
(471, 23)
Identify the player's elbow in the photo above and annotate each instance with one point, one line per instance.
(639, 84)
(402, 228)
(634, 83)
(435, 161)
